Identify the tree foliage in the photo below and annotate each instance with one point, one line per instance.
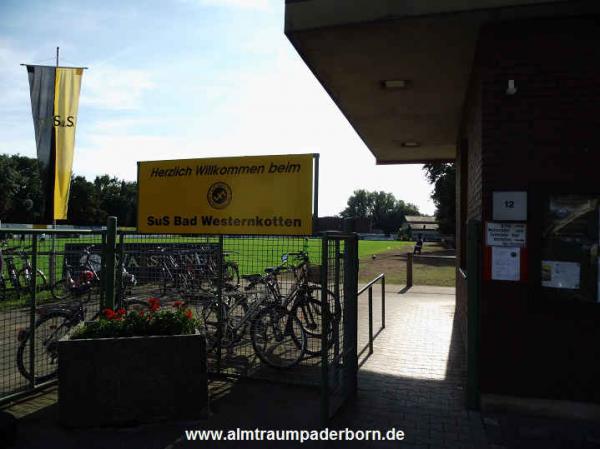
(21, 196)
(443, 177)
(383, 209)
(21, 193)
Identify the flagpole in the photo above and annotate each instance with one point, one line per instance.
(53, 258)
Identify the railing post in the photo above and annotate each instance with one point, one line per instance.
(33, 288)
(109, 254)
(409, 270)
(371, 320)
(220, 317)
(52, 260)
(102, 269)
(324, 334)
(315, 218)
(383, 302)
(121, 265)
(350, 315)
(336, 293)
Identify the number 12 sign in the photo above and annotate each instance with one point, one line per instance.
(510, 206)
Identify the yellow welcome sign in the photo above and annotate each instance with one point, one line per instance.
(232, 195)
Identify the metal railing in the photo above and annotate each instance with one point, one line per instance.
(369, 288)
(32, 264)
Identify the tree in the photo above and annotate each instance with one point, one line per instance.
(360, 205)
(84, 205)
(118, 198)
(21, 199)
(443, 177)
(22, 195)
(382, 208)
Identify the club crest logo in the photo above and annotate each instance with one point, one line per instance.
(219, 195)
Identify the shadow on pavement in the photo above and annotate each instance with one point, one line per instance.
(245, 404)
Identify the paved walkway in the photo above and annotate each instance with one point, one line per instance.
(412, 382)
(414, 379)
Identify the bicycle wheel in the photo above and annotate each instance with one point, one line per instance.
(48, 330)
(26, 280)
(309, 312)
(278, 337)
(209, 317)
(308, 308)
(61, 289)
(236, 324)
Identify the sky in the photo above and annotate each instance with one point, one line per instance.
(181, 79)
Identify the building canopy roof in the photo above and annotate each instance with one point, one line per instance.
(399, 71)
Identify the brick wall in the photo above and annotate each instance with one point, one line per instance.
(545, 137)
(469, 187)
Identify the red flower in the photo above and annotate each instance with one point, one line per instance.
(178, 304)
(121, 311)
(154, 304)
(188, 314)
(109, 314)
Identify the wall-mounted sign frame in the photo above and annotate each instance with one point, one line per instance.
(509, 206)
(505, 255)
(255, 195)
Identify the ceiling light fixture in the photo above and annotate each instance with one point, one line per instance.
(411, 144)
(395, 84)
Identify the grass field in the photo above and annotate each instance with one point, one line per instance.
(254, 254)
(366, 248)
(392, 262)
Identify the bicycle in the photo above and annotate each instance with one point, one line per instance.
(277, 336)
(208, 270)
(76, 283)
(21, 279)
(304, 300)
(190, 273)
(54, 323)
(174, 275)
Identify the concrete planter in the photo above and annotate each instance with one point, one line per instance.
(125, 381)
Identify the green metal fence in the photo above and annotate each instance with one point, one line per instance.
(34, 302)
(239, 287)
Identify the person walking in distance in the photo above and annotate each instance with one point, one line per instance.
(418, 245)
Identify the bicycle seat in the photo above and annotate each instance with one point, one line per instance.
(272, 270)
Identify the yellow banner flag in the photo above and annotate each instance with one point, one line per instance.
(66, 101)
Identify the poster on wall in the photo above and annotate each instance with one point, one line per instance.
(506, 234)
(506, 263)
(557, 274)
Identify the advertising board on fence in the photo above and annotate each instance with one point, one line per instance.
(233, 195)
(146, 261)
